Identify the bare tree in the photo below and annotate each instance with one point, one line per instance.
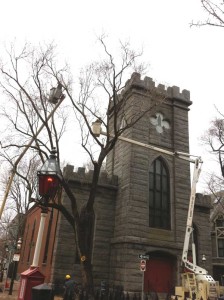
(99, 98)
(213, 138)
(215, 12)
(25, 84)
(23, 187)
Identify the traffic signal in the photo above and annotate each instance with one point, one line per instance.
(48, 185)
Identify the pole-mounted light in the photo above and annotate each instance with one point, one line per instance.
(19, 244)
(203, 258)
(49, 177)
(96, 128)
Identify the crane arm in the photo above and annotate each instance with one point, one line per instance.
(189, 228)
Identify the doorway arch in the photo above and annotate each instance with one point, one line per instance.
(159, 276)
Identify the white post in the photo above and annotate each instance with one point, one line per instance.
(39, 240)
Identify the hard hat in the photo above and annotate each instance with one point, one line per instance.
(67, 276)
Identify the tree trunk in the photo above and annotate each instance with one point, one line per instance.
(87, 278)
(86, 228)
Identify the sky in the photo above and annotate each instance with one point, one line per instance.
(178, 54)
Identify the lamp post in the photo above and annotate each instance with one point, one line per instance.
(49, 180)
(15, 264)
(49, 177)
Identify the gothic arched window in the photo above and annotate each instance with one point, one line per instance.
(159, 195)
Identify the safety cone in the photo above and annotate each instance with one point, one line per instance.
(6, 284)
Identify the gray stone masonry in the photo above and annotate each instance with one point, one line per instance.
(65, 259)
(131, 163)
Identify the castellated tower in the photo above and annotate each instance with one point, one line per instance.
(154, 188)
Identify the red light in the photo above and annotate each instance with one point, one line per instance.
(50, 179)
(48, 185)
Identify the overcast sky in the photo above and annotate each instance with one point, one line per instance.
(188, 57)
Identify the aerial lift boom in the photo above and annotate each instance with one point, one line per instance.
(192, 266)
(196, 283)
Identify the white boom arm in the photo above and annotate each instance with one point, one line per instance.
(189, 229)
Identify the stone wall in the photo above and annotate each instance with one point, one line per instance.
(65, 259)
(203, 230)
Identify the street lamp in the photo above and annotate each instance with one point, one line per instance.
(19, 244)
(96, 128)
(49, 177)
(203, 259)
(52, 171)
(16, 258)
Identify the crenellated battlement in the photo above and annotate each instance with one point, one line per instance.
(148, 84)
(203, 200)
(86, 177)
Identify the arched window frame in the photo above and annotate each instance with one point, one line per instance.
(159, 195)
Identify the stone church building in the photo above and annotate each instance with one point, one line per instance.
(141, 205)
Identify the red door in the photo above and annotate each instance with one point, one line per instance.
(158, 276)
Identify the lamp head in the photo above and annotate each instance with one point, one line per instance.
(49, 176)
(203, 258)
(96, 127)
(19, 244)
